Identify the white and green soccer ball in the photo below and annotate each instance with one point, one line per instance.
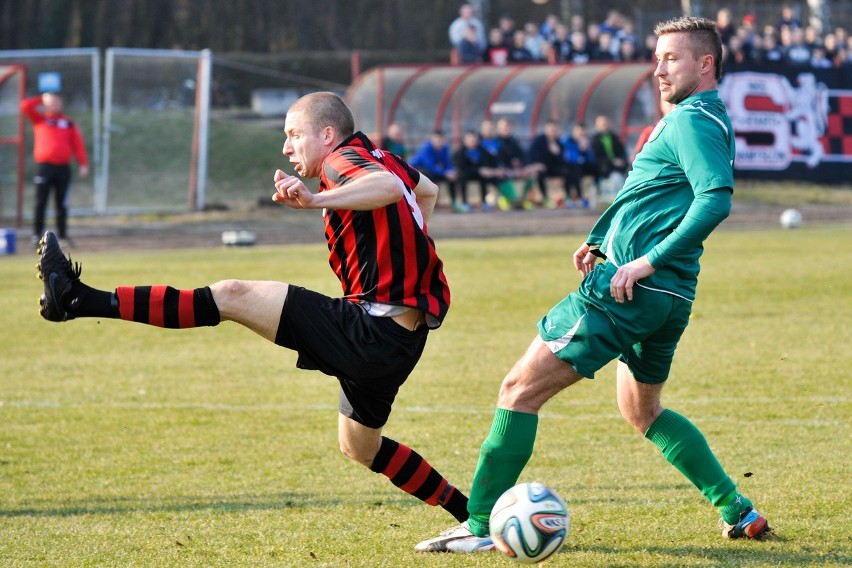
(791, 219)
(529, 522)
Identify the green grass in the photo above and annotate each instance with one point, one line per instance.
(124, 445)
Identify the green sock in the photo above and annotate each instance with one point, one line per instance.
(507, 189)
(685, 447)
(502, 457)
(732, 507)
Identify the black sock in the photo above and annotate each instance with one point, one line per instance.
(86, 301)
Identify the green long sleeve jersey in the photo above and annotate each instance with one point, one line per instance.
(678, 191)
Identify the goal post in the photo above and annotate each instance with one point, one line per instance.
(155, 123)
(79, 75)
(12, 142)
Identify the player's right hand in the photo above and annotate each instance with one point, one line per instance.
(584, 261)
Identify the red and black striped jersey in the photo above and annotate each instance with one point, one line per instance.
(384, 255)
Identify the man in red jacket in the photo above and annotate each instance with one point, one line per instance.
(57, 141)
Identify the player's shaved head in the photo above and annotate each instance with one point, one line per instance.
(323, 109)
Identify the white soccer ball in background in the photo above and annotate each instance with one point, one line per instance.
(791, 219)
(529, 522)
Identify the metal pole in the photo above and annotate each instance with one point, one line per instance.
(101, 188)
(96, 121)
(204, 126)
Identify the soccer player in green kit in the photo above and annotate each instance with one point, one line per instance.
(635, 305)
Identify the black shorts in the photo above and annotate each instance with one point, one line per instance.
(370, 356)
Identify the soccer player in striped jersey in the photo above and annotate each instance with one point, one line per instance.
(636, 304)
(375, 208)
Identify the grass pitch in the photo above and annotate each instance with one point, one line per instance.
(124, 445)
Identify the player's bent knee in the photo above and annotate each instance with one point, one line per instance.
(640, 418)
(355, 455)
(229, 289)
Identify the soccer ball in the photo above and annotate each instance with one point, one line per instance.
(529, 522)
(791, 219)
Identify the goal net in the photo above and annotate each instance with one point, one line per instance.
(12, 78)
(77, 71)
(154, 139)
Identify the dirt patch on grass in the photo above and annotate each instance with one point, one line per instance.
(275, 225)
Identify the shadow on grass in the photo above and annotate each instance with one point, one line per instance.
(728, 553)
(125, 505)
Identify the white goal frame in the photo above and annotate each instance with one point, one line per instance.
(196, 191)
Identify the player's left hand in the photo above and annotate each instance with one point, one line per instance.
(621, 285)
(291, 191)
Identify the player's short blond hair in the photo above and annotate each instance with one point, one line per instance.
(325, 108)
(704, 37)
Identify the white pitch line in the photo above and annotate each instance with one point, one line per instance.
(450, 410)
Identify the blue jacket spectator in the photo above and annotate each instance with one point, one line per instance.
(434, 157)
(435, 160)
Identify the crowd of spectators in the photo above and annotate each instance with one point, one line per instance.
(787, 40)
(557, 169)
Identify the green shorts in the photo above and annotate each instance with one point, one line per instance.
(588, 328)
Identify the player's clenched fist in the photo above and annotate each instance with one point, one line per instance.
(291, 191)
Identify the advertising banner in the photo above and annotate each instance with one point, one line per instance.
(791, 123)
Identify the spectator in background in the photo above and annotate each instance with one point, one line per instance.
(770, 51)
(577, 24)
(488, 138)
(512, 162)
(548, 27)
(547, 53)
(496, 53)
(627, 52)
(811, 38)
(561, 44)
(832, 49)
(788, 19)
(546, 151)
(518, 52)
(733, 52)
(749, 36)
(649, 47)
(489, 142)
(435, 161)
(610, 155)
(819, 59)
(579, 161)
(533, 41)
(795, 51)
(603, 52)
(627, 34)
(725, 25)
(506, 25)
(394, 140)
(846, 54)
(469, 48)
(842, 36)
(612, 24)
(57, 141)
(459, 26)
(593, 32)
(473, 164)
(579, 49)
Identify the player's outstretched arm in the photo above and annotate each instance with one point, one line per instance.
(372, 191)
